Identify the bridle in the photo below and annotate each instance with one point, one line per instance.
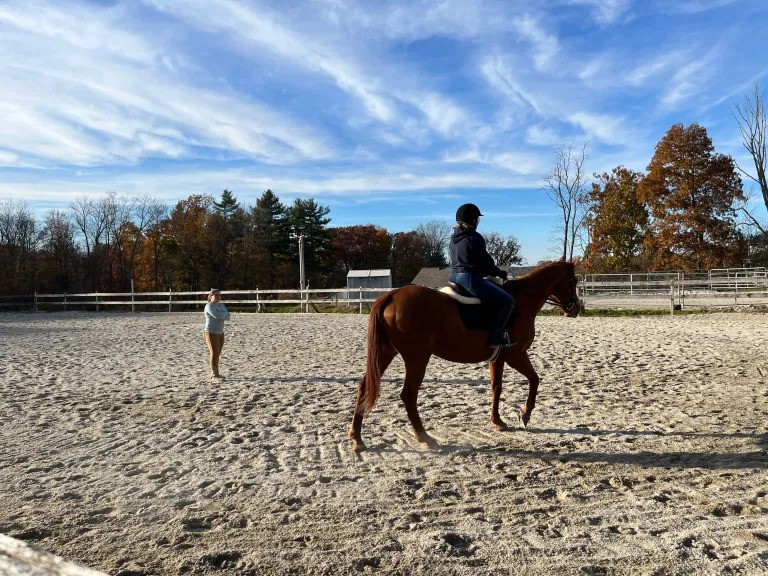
(574, 297)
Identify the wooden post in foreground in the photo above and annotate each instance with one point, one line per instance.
(19, 559)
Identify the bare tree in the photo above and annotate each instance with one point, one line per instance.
(59, 252)
(751, 116)
(145, 212)
(566, 187)
(85, 214)
(18, 243)
(436, 235)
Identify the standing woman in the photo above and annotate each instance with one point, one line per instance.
(471, 263)
(215, 315)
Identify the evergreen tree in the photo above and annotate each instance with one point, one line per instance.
(269, 238)
(310, 219)
(228, 204)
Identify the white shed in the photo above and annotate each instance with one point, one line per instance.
(381, 278)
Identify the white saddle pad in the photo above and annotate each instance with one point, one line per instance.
(463, 299)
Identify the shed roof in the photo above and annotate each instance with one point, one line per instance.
(438, 277)
(369, 273)
(432, 277)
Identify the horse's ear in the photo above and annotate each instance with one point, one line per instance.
(562, 258)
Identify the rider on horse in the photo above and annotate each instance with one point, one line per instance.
(471, 263)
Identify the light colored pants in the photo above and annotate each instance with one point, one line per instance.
(215, 344)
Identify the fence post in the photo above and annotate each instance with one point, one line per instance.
(672, 299)
(35, 300)
(65, 301)
(133, 305)
(97, 301)
(360, 311)
(170, 299)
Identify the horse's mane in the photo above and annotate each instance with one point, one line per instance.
(531, 274)
(536, 270)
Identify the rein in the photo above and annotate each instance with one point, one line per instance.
(549, 300)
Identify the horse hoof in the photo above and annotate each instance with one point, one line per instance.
(357, 445)
(523, 419)
(429, 443)
(500, 426)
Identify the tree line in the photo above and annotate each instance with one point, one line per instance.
(687, 211)
(114, 243)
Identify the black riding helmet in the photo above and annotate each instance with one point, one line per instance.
(467, 213)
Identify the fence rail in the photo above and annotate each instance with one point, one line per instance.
(708, 288)
(725, 287)
(259, 299)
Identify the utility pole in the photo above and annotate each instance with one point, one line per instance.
(300, 238)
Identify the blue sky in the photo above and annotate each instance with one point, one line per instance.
(388, 112)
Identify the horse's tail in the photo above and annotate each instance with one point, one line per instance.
(376, 339)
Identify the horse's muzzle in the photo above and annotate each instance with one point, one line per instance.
(575, 309)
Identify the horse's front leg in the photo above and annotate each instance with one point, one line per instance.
(522, 364)
(497, 373)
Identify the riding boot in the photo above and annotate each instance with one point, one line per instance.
(499, 336)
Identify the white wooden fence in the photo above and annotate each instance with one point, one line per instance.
(306, 300)
(705, 289)
(726, 287)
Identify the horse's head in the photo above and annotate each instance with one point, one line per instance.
(564, 294)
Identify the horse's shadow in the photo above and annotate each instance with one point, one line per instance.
(756, 459)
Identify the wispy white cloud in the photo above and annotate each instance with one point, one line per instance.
(688, 79)
(81, 104)
(77, 27)
(544, 44)
(500, 75)
(651, 69)
(258, 29)
(539, 135)
(602, 127)
(691, 6)
(386, 95)
(605, 12)
(354, 101)
(523, 163)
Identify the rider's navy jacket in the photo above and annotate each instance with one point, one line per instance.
(468, 254)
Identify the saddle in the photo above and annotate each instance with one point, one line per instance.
(474, 313)
(459, 293)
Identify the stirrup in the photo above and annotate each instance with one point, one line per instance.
(506, 341)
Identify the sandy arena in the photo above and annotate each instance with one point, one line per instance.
(647, 453)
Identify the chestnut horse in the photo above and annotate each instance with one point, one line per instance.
(418, 322)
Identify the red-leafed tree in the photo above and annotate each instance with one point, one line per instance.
(188, 242)
(410, 253)
(359, 248)
(690, 191)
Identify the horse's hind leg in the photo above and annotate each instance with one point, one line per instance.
(414, 375)
(386, 355)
